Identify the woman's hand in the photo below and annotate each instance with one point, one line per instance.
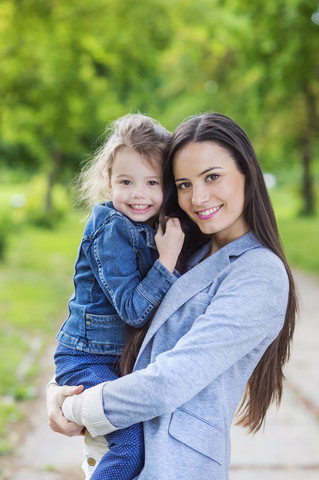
(57, 422)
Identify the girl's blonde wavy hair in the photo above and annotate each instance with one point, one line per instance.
(135, 131)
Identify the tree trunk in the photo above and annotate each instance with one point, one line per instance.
(308, 191)
(52, 177)
(307, 180)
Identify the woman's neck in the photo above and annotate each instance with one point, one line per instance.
(218, 242)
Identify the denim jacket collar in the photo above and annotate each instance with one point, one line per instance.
(148, 231)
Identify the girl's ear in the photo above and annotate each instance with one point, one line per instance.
(110, 188)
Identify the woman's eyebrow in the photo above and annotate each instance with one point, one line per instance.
(200, 174)
(209, 170)
(181, 179)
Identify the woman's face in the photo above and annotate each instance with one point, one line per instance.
(211, 190)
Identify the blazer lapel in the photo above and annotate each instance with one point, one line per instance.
(196, 279)
(185, 288)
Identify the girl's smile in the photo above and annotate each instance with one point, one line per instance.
(211, 190)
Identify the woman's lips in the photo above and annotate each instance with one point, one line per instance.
(208, 213)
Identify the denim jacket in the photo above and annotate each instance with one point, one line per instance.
(118, 282)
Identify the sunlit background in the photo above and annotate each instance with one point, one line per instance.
(68, 67)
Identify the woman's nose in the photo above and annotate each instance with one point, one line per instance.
(199, 196)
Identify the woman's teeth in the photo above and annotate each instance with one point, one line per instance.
(204, 213)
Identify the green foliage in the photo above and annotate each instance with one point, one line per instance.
(23, 203)
(60, 85)
(299, 234)
(5, 230)
(300, 237)
(34, 208)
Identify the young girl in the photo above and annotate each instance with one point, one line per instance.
(120, 277)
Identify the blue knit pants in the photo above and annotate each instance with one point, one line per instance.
(125, 458)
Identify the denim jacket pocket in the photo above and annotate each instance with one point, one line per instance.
(106, 330)
(198, 434)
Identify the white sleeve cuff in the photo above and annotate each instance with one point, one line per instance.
(72, 410)
(93, 412)
(86, 409)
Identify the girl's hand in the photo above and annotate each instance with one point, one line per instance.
(170, 243)
(57, 422)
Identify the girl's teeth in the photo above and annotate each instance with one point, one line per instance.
(139, 207)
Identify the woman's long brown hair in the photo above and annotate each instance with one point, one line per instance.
(265, 383)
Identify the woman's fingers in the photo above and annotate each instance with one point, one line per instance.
(57, 422)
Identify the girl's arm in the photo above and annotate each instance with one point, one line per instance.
(114, 261)
(243, 318)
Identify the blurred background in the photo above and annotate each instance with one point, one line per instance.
(68, 67)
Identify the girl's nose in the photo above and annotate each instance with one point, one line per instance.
(138, 193)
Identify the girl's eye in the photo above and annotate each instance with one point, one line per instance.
(212, 177)
(183, 186)
(152, 182)
(125, 182)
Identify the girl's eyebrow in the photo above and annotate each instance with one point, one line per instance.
(201, 174)
(127, 175)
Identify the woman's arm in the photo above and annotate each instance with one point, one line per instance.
(247, 312)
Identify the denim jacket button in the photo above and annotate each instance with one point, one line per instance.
(88, 323)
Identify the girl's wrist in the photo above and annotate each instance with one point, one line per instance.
(167, 262)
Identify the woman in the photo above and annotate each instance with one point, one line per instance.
(224, 329)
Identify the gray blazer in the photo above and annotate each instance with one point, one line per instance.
(212, 327)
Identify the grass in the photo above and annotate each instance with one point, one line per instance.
(299, 234)
(300, 240)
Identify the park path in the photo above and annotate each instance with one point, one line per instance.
(287, 449)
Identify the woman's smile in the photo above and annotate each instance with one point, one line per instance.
(210, 212)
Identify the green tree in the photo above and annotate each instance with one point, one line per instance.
(68, 68)
(280, 63)
(256, 62)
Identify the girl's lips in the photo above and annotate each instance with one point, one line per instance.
(208, 213)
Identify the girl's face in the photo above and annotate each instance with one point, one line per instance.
(211, 191)
(135, 186)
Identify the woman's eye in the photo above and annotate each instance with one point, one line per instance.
(183, 186)
(126, 182)
(212, 177)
